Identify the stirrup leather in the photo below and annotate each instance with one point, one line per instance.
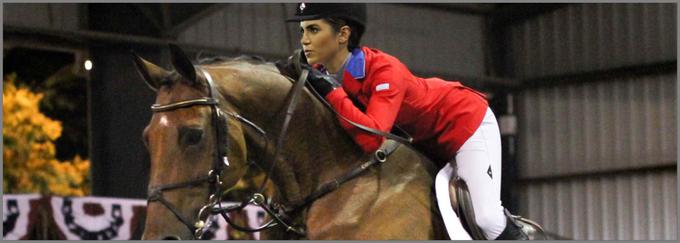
(462, 205)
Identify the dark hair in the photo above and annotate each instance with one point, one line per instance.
(355, 35)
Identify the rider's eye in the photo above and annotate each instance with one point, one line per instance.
(190, 136)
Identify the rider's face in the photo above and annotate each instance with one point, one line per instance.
(320, 42)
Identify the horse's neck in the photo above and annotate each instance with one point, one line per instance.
(315, 150)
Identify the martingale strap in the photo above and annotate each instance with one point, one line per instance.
(379, 157)
(295, 93)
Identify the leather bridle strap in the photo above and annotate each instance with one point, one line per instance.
(172, 186)
(220, 159)
(156, 195)
(379, 157)
(295, 92)
(220, 153)
(183, 104)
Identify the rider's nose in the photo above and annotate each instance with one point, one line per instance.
(172, 237)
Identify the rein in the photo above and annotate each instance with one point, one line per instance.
(278, 212)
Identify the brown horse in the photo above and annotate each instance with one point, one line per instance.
(393, 200)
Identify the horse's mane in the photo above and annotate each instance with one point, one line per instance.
(242, 59)
(215, 60)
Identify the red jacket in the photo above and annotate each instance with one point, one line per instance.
(440, 115)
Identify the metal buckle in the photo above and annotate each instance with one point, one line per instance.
(380, 156)
(258, 199)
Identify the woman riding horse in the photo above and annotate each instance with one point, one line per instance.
(448, 121)
(211, 121)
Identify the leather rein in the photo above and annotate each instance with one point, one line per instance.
(278, 212)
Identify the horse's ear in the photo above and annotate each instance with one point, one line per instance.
(182, 63)
(151, 73)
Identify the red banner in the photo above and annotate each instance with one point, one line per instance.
(98, 218)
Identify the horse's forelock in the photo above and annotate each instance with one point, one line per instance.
(169, 80)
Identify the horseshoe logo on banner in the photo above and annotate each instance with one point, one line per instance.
(19, 215)
(11, 214)
(95, 218)
(107, 233)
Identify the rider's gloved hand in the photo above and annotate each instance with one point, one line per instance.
(322, 83)
(292, 66)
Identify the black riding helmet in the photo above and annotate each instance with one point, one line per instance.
(355, 12)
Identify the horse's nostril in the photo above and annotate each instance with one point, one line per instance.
(171, 237)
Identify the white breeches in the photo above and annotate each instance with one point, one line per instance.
(478, 163)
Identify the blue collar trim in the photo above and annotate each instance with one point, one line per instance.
(357, 64)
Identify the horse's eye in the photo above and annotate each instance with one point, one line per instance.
(190, 136)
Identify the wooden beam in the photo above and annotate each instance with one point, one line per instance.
(98, 38)
(95, 38)
(600, 75)
(581, 176)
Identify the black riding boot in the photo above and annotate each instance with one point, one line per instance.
(512, 231)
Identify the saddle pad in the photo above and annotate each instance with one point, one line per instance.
(451, 220)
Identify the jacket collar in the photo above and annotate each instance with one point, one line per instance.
(356, 66)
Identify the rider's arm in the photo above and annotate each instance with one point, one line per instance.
(387, 93)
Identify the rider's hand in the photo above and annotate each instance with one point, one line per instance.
(322, 83)
(292, 66)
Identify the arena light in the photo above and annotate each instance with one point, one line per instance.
(88, 65)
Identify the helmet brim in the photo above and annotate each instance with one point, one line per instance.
(304, 18)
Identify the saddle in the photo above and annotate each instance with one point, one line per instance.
(462, 206)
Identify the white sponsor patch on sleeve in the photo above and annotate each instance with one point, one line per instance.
(383, 86)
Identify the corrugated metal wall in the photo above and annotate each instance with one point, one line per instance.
(401, 30)
(616, 207)
(44, 15)
(248, 27)
(600, 126)
(428, 40)
(586, 37)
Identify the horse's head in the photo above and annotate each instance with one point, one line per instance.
(188, 136)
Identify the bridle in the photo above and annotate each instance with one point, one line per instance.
(220, 163)
(278, 212)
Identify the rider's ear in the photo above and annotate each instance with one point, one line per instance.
(344, 33)
(151, 73)
(182, 63)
